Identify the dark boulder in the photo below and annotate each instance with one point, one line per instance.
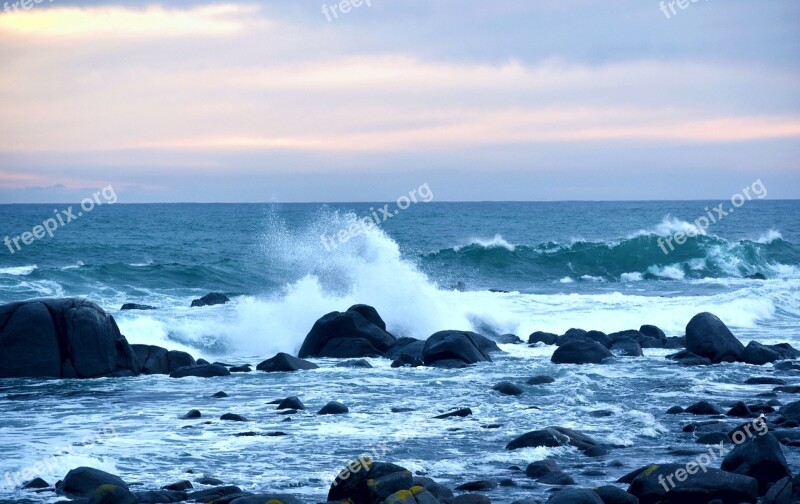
(156, 360)
(407, 360)
(463, 412)
(760, 458)
(214, 494)
(653, 332)
(627, 347)
(454, 349)
(508, 388)
(541, 468)
(658, 484)
(610, 494)
(333, 408)
(543, 337)
(764, 380)
(600, 337)
(83, 481)
(192, 415)
(409, 346)
(233, 417)
(553, 437)
(62, 338)
(575, 496)
(367, 482)
(201, 371)
(347, 335)
(758, 354)
(179, 486)
(581, 351)
(284, 362)
(507, 339)
(355, 363)
(687, 358)
(134, 306)
(704, 408)
(35, 484)
(112, 494)
(540, 380)
(211, 299)
(707, 336)
(160, 496)
(291, 403)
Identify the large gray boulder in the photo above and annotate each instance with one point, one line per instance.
(62, 338)
(707, 336)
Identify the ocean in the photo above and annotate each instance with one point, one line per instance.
(495, 268)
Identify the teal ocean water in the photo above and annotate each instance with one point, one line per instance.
(493, 267)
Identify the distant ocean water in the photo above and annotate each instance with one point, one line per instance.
(500, 267)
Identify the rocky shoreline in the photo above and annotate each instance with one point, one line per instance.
(71, 338)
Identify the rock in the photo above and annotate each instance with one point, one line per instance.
(471, 499)
(701, 487)
(761, 458)
(553, 437)
(507, 388)
(179, 486)
(653, 332)
(284, 362)
(610, 494)
(713, 438)
(83, 481)
(687, 358)
(758, 354)
(477, 486)
(219, 395)
(156, 360)
(240, 369)
(408, 346)
(508, 339)
(764, 380)
(35, 483)
(211, 299)
(333, 408)
(791, 411)
(355, 363)
(291, 403)
(201, 371)
(704, 408)
(627, 347)
(214, 494)
(707, 336)
(756, 276)
(367, 482)
(192, 414)
(541, 380)
(787, 366)
(233, 417)
(543, 337)
(575, 496)
(62, 338)
(583, 351)
(541, 468)
(780, 493)
(463, 412)
(161, 496)
(675, 410)
(134, 306)
(111, 494)
(600, 337)
(739, 409)
(454, 349)
(556, 478)
(208, 480)
(348, 334)
(267, 498)
(407, 360)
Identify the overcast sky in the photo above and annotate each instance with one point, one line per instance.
(491, 100)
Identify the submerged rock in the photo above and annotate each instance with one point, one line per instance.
(334, 408)
(211, 299)
(284, 362)
(508, 388)
(134, 306)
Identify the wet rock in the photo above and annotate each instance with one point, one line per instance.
(179, 486)
(704, 408)
(758, 354)
(134, 306)
(35, 483)
(463, 412)
(556, 436)
(472, 499)
(687, 358)
(233, 417)
(367, 482)
(455, 349)
(761, 458)
(764, 380)
(219, 395)
(407, 360)
(707, 336)
(83, 481)
(408, 346)
(477, 486)
(333, 408)
(701, 487)
(739, 409)
(355, 363)
(541, 468)
(160, 496)
(610, 494)
(214, 494)
(240, 369)
(652, 332)
(291, 403)
(575, 496)
(439, 492)
(112, 494)
(541, 380)
(508, 339)
(543, 337)
(200, 371)
(62, 338)
(208, 480)
(283, 362)
(211, 299)
(675, 410)
(191, 415)
(582, 351)
(627, 347)
(358, 332)
(508, 388)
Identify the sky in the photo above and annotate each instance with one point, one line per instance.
(293, 101)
